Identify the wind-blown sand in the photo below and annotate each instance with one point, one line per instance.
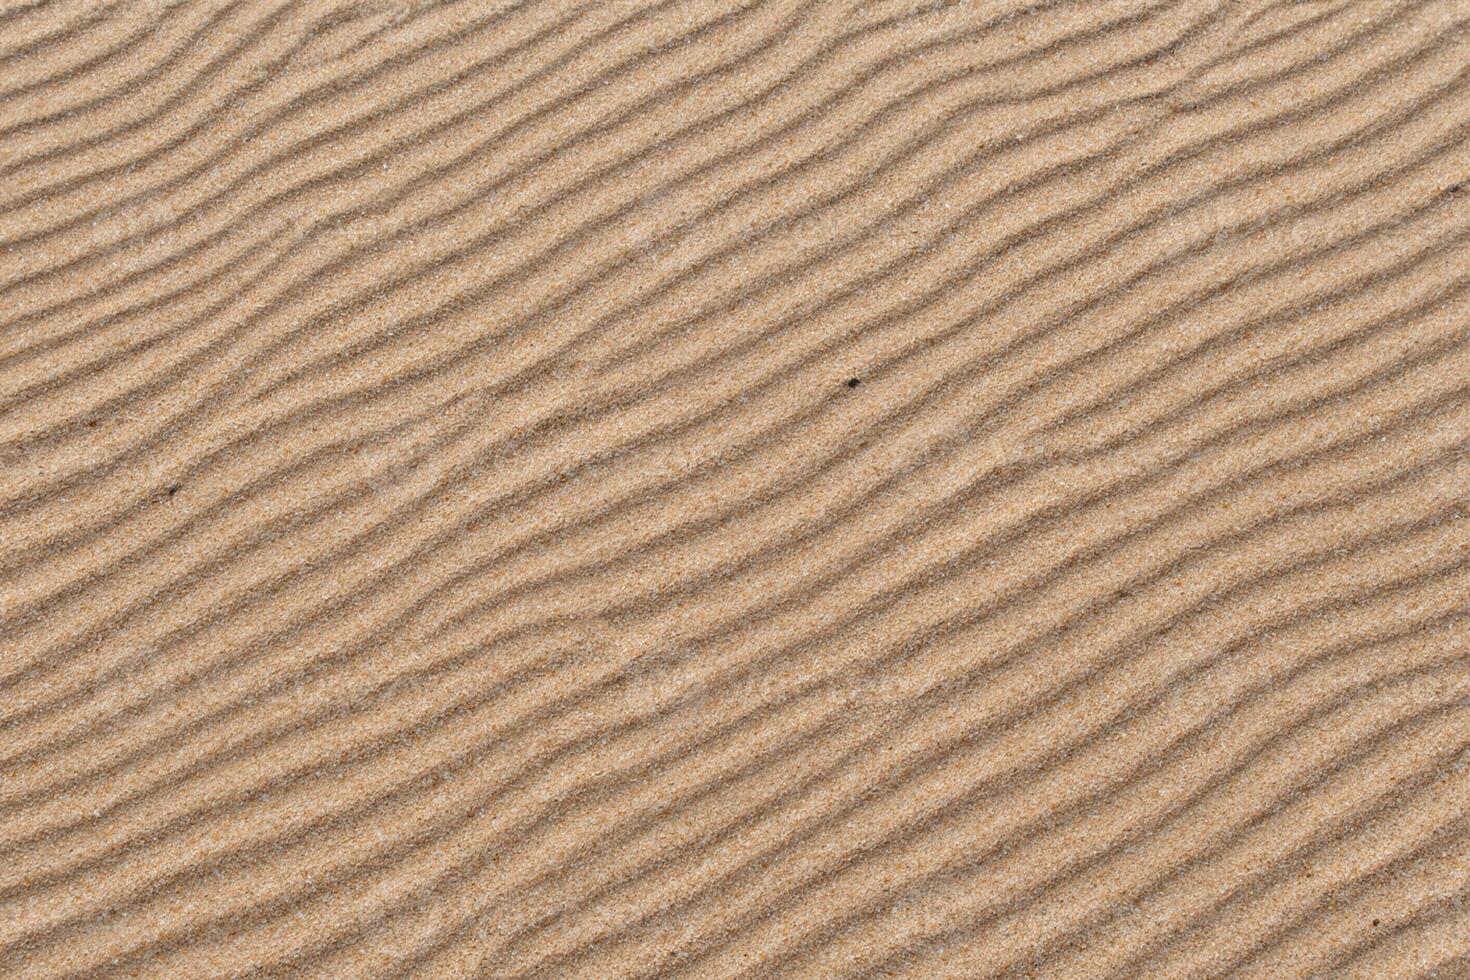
(616, 488)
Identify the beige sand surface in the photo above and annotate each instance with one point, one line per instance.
(735, 488)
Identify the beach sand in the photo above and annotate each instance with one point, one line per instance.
(756, 488)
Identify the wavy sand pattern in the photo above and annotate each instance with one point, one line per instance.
(735, 488)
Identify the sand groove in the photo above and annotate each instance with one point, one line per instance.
(760, 488)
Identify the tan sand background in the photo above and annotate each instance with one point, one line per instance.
(625, 488)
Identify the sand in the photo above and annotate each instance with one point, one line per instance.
(756, 488)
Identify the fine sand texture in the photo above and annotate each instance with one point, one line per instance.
(735, 488)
